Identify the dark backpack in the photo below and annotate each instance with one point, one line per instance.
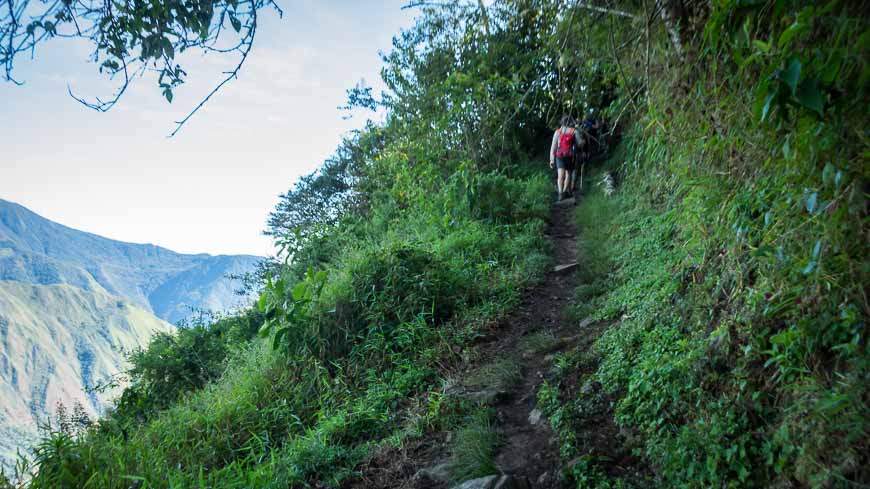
(566, 144)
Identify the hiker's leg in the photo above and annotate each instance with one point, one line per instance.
(561, 180)
(567, 183)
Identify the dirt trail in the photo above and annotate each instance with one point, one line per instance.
(530, 450)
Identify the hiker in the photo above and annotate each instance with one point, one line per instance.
(566, 140)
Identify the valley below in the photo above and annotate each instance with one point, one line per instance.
(73, 305)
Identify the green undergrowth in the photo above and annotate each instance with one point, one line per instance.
(500, 375)
(731, 262)
(538, 342)
(345, 375)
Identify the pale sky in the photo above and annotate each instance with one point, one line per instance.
(210, 188)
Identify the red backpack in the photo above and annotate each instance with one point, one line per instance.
(566, 144)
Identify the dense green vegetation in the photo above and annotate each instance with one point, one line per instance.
(730, 263)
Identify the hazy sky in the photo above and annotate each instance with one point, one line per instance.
(211, 187)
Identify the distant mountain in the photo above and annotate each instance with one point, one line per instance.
(73, 303)
(36, 250)
(56, 341)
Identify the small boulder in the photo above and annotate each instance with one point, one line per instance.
(535, 416)
(437, 474)
(487, 482)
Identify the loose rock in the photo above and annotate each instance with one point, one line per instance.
(431, 475)
(511, 482)
(565, 267)
(487, 482)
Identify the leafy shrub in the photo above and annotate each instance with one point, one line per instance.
(180, 363)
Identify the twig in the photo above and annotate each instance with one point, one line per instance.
(610, 11)
(248, 43)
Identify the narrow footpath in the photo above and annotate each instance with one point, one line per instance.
(530, 337)
(530, 451)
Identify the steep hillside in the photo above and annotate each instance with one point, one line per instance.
(36, 250)
(57, 341)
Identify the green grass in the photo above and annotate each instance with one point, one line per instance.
(538, 342)
(474, 447)
(501, 375)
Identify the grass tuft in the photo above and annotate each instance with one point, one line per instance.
(474, 447)
(501, 375)
(538, 342)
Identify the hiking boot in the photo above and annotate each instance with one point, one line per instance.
(560, 197)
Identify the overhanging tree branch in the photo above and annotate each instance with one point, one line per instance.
(131, 37)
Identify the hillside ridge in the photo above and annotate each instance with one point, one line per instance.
(34, 249)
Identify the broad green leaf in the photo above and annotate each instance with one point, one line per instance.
(786, 150)
(810, 96)
(762, 46)
(791, 75)
(788, 34)
(811, 202)
(299, 291)
(782, 338)
(749, 60)
(817, 249)
(765, 110)
(832, 68)
(265, 328)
